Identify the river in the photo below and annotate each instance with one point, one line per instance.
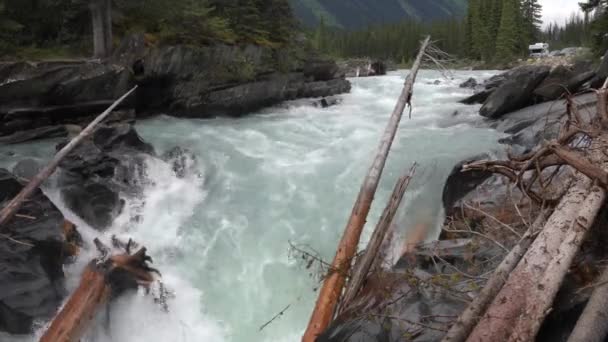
(289, 173)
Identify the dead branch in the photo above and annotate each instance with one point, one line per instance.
(371, 252)
(331, 290)
(469, 317)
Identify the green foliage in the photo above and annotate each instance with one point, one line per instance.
(576, 32)
(509, 34)
(398, 42)
(598, 11)
(66, 24)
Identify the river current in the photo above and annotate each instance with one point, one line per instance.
(287, 174)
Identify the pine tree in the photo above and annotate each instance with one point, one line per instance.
(508, 39)
(531, 12)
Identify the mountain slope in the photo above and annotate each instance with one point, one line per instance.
(355, 14)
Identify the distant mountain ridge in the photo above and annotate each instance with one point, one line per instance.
(356, 14)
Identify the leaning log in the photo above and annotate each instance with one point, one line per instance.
(333, 284)
(364, 266)
(13, 206)
(100, 281)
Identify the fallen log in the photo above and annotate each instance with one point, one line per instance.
(333, 284)
(13, 206)
(470, 316)
(544, 292)
(101, 280)
(592, 325)
(511, 301)
(371, 252)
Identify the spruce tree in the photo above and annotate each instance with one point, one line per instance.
(508, 39)
(531, 12)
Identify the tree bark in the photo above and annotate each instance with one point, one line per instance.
(371, 252)
(13, 206)
(470, 316)
(592, 326)
(97, 284)
(101, 18)
(331, 290)
(512, 300)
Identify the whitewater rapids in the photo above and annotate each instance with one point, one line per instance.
(289, 173)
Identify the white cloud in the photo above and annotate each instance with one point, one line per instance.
(558, 10)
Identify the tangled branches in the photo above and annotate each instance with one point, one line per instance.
(527, 171)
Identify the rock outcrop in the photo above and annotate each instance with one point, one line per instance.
(31, 262)
(201, 82)
(515, 92)
(93, 177)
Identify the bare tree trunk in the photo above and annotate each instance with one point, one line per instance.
(331, 290)
(470, 316)
(592, 326)
(13, 206)
(101, 17)
(511, 302)
(371, 252)
(94, 290)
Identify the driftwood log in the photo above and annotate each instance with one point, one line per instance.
(329, 295)
(100, 281)
(368, 259)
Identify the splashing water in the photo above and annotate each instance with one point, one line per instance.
(221, 235)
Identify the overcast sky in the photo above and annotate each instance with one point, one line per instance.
(558, 10)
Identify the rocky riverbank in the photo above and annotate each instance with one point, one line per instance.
(421, 296)
(39, 98)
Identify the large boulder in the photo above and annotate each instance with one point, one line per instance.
(561, 80)
(601, 73)
(31, 273)
(93, 176)
(516, 92)
(459, 183)
(469, 83)
(488, 88)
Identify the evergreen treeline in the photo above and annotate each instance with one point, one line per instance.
(597, 12)
(576, 32)
(67, 23)
(493, 30)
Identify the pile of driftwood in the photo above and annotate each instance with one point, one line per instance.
(520, 294)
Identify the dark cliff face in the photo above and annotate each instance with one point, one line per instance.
(358, 14)
(202, 82)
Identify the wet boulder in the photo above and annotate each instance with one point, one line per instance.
(488, 88)
(560, 81)
(470, 83)
(516, 92)
(96, 173)
(459, 183)
(31, 264)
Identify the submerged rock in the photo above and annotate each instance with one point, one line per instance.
(470, 83)
(100, 169)
(31, 273)
(515, 92)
